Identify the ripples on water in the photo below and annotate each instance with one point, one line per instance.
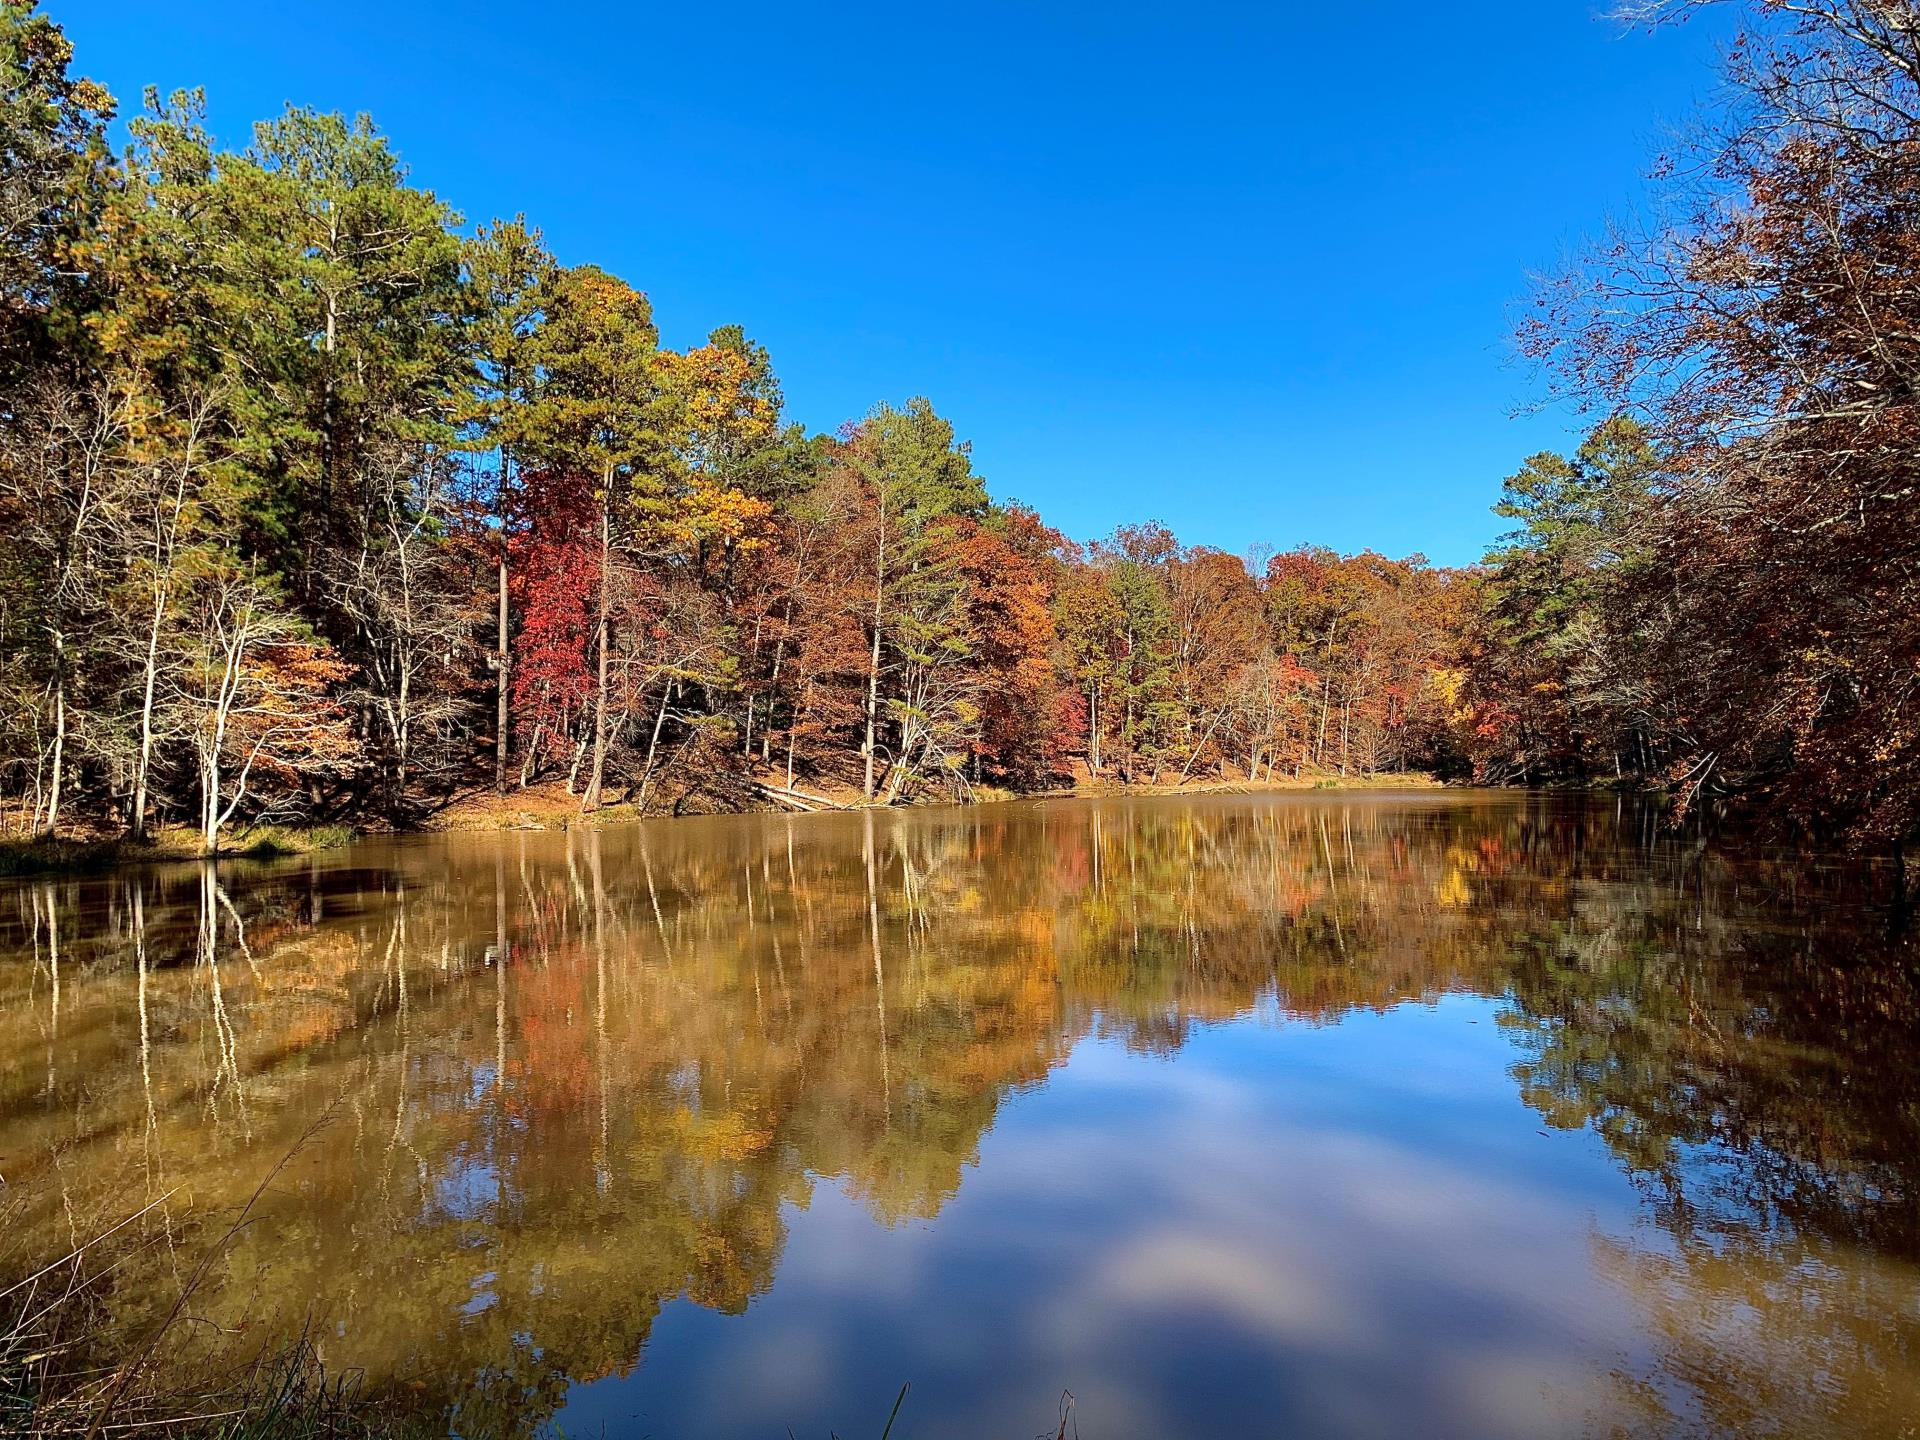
(1461, 1115)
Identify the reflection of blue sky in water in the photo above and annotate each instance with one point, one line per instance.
(1332, 1230)
(469, 1190)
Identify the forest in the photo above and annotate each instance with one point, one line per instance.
(325, 506)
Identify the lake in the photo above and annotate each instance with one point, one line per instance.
(1413, 1113)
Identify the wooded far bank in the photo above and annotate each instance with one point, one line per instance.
(322, 506)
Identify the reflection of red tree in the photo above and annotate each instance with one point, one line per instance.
(553, 1072)
(1072, 868)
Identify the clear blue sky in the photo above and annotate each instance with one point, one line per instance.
(1245, 268)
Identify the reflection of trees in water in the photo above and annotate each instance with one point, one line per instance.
(580, 1075)
(1759, 1077)
(1742, 1038)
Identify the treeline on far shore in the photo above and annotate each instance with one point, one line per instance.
(323, 506)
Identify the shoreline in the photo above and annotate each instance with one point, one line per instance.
(23, 858)
(550, 807)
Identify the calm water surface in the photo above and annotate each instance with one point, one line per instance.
(1461, 1115)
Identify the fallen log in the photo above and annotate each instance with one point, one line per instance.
(799, 799)
(792, 802)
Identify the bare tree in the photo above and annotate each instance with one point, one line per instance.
(397, 593)
(251, 689)
(161, 522)
(55, 457)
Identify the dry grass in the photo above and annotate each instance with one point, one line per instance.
(70, 1367)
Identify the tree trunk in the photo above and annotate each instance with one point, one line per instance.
(163, 589)
(1093, 728)
(1320, 742)
(773, 687)
(746, 745)
(596, 778)
(653, 744)
(137, 815)
(873, 664)
(59, 732)
(573, 769)
(531, 752)
(403, 736)
(210, 805)
(500, 700)
(214, 747)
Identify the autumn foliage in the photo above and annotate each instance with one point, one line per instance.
(325, 507)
